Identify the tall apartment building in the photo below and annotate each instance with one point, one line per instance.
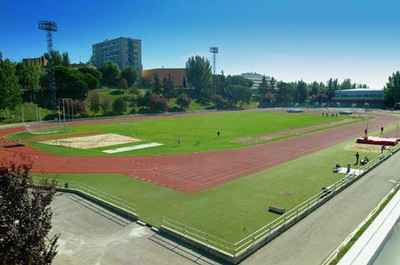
(122, 51)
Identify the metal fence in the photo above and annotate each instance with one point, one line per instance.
(236, 248)
(96, 193)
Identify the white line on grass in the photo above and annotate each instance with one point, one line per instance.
(131, 148)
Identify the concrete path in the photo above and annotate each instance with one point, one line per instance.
(310, 241)
(91, 235)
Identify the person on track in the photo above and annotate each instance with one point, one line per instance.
(357, 158)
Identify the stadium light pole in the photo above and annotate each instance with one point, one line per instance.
(50, 27)
(214, 51)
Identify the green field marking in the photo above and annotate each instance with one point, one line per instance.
(192, 133)
(235, 209)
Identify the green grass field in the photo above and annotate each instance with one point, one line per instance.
(234, 209)
(197, 133)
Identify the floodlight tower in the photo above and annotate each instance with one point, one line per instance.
(50, 27)
(214, 51)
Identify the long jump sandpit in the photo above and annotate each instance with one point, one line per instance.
(198, 171)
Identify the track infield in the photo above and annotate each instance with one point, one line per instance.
(195, 172)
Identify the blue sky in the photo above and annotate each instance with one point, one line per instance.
(289, 39)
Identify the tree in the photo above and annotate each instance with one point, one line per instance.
(284, 96)
(266, 92)
(157, 103)
(110, 73)
(10, 91)
(157, 87)
(220, 83)
(79, 108)
(54, 58)
(25, 218)
(105, 104)
(91, 70)
(123, 84)
(346, 84)
(94, 102)
(392, 90)
(263, 87)
(130, 75)
(145, 83)
(238, 94)
(168, 86)
(70, 83)
(301, 92)
(272, 83)
(119, 106)
(220, 102)
(199, 76)
(315, 89)
(183, 101)
(29, 78)
(333, 85)
(65, 59)
(91, 81)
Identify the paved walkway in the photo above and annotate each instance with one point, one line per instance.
(310, 241)
(92, 235)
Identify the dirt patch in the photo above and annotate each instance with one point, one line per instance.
(369, 148)
(92, 141)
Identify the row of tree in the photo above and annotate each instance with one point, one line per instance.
(234, 91)
(23, 82)
(272, 92)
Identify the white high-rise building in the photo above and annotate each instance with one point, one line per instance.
(256, 78)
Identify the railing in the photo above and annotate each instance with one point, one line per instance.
(268, 230)
(104, 196)
(196, 234)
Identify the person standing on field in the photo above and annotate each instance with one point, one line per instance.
(357, 158)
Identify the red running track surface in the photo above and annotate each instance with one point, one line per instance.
(198, 171)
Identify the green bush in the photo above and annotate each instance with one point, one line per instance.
(119, 106)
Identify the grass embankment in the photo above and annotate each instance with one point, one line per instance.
(190, 133)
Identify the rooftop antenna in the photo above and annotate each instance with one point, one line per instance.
(214, 51)
(50, 27)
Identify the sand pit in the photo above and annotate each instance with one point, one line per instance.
(363, 148)
(92, 141)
